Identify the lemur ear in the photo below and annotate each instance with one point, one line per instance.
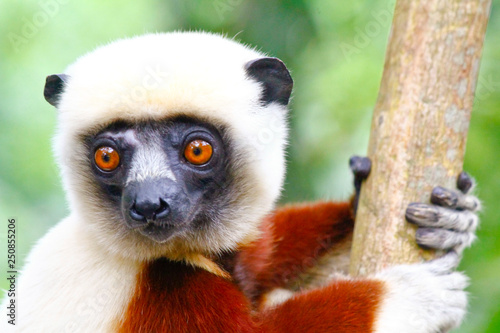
(54, 85)
(275, 79)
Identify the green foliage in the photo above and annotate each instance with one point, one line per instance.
(335, 50)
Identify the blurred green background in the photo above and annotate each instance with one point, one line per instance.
(334, 93)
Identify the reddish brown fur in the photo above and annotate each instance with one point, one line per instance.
(342, 307)
(293, 238)
(174, 297)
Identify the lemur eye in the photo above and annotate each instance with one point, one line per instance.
(198, 152)
(106, 158)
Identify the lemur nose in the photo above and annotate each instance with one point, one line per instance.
(147, 210)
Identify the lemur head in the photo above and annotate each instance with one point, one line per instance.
(171, 144)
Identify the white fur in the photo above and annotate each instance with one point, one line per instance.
(70, 284)
(422, 298)
(158, 76)
(150, 162)
(469, 201)
(80, 276)
(276, 297)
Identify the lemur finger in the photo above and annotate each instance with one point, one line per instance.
(455, 281)
(453, 199)
(445, 264)
(360, 167)
(464, 182)
(439, 217)
(443, 239)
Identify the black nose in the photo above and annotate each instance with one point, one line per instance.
(147, 210)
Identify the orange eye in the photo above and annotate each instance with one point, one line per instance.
(106, 158)
(198, 152)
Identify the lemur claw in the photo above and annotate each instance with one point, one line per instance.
(464, 182)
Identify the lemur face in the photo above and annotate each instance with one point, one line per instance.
(171, 144)
(167, 178)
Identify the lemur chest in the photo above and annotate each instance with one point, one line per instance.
(173, 297)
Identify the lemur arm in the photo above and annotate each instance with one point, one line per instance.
(405, 298)
(293, 239)
(344, 306)
(297, 238)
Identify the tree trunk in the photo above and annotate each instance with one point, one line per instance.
(420, 123)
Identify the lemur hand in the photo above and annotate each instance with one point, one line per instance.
(430, 297)
(450, 221)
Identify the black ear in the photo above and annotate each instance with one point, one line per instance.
(54, 85)
(275, 78)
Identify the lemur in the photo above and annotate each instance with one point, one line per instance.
(172, 154)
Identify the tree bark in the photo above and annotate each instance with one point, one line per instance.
(420, 123)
